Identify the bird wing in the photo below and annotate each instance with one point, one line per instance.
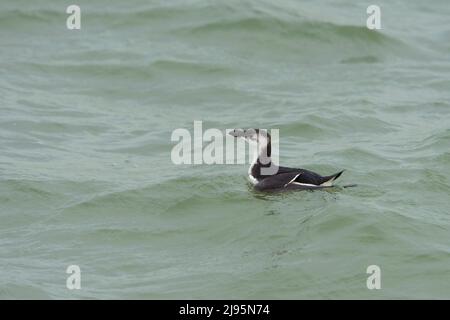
(295, 178)
(289, 180)
(305, 177)
(277, 181)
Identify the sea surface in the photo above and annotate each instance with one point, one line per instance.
(86, 176)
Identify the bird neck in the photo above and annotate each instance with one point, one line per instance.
(264, 154)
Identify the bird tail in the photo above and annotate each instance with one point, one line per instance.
(328, 180)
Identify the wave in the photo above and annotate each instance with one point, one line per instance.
(302, 40)
(257, 28)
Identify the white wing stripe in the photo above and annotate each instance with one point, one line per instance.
(292, 180)
(305, 184)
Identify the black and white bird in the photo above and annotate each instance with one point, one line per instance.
(267, 176)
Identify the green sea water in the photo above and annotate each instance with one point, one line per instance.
(86, 176)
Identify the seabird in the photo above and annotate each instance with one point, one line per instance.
(267, 176)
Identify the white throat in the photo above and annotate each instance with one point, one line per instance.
(261, 154)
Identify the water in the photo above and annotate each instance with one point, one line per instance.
(85, 171)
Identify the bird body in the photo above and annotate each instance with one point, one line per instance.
(279, 178)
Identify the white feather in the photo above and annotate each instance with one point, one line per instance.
(252, 179)
(328, 183)
(305, 184)
(292, 180)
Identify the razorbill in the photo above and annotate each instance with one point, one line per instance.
(267, 176)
